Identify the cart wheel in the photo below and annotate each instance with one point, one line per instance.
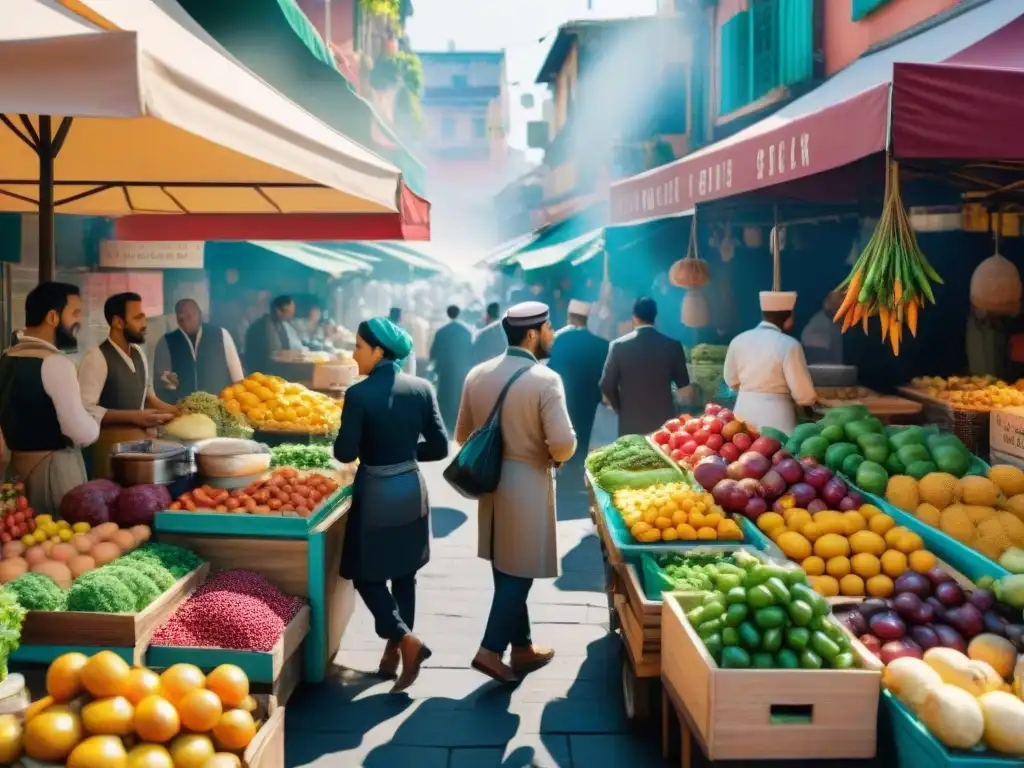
(635, 695)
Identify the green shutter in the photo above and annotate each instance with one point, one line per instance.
(862, 8)
(795, 41)
(734, 64)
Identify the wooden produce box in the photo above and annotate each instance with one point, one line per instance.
(306, 567)
(640, 620)
(279, 670)
(45, 635)
(730, 711)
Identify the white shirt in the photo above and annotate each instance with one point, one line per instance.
(767, 361)
(60, 381)
(230, 353)
(92, 376)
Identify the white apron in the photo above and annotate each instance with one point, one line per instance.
(763, 409)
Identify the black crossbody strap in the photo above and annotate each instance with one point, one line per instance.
(496, 411)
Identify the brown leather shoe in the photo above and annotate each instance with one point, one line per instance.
(530, 659)
(490, 664)
(413, 653)
(388, 668)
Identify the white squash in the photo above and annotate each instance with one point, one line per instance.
(909, 680)
(975, 677)
(953, 715)
(1004, 722)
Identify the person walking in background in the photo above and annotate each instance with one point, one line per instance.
(490, 341)
(822, 339)
(388, 530)
(198, 357)
(578, 356)
(271, 333)
(641, 368)
(452, 356)
(42, 417)
(518, 521)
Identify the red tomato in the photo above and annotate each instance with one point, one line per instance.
(715, 442)
(742, 441)
(678, 456)
(677, 439)
(729, 452)
(692, 425)
(712, 408)
(701, 436)
(725, 415)
(688, 447)
(6, 537)
(673, 425)
(661, 437)
(714, 426)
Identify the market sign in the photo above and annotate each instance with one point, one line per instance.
(773, 151)
(134, 254)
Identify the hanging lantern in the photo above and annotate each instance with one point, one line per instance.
(752, 237)
(695, 313)
(691, 271)
(996, 285)
(727, 249)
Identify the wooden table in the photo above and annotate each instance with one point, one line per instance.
(885, 407)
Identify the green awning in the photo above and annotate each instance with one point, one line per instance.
(315, 257)
(498, 255)
(276, 40)
(543, 253)
(387, 255)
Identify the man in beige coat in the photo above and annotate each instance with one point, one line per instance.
(518, 521)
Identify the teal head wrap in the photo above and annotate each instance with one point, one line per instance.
(390, 337)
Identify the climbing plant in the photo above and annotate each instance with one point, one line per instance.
(392, 9)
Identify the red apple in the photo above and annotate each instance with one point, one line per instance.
(688, 447)
(715, 426)
(712, 408)
(661, 437)
(729, 452)
(673, 425)
(754, 434)
(726, 415)
(701, 436)
(715, 442)
(678, 456)
(677, 439)
(742, 441)
(702, 452)
(692, 425)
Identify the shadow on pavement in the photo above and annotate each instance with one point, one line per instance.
(571, 493)
(582, 567)
(444, 521)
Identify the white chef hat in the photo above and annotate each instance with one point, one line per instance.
(577, 307)
(777, 301)
(527, 313)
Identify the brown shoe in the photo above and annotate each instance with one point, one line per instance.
(530, 659)
(413, 653)
(388, 668)
(490, 664)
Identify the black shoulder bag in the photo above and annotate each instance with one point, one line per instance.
(476, 468)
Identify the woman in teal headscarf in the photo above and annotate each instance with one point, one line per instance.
(388, 533)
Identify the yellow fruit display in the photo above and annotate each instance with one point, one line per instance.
(939, 489)
(1008, 478)
(894, 563)
(973, 393)
(794, 546)
(865, 565)
(921, 561)
(52, 735)
(271, 403)
(114, 716)
(769, 521)
(191, 750)
(832, 545)
(674, 512)
(99, 752)
(901, 491)
(838, 567)
(881, 524)
(150, 756)
(813, 566)
(827, 586)
(979, 491)
(928, 514)
(867, 541)
(10, 739)
(851, 585)
(879, 586)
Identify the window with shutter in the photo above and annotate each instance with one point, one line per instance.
(764, 44)
(862, 8)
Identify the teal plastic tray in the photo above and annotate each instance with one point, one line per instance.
(625, 543)
(44, 654)
(916, 747)
(653, 580)
(245, 525)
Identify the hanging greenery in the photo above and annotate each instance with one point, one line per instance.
(391, 9)
(408, 114)
(386, 73)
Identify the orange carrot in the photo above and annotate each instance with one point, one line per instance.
(847, 321)
(894, 335)
(883, 315)
(897, 292)
(852, 292)
(864, 318)
(912, 316)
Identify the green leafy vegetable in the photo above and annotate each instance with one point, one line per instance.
(631, 452)
(301, 456)
(180, 562)
(228, 424)
(37, 592)
(101, 591)
(11, 617)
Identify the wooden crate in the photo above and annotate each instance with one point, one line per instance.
(262, 667)
(729, 712)
(45, 633)
(306, 567)
(640, 620)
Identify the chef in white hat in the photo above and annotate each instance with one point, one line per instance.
(578, 357)
(768, 368)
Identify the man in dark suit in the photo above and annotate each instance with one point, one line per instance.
(451, 354)
(642, 366)
(490, 341)
(578, 356)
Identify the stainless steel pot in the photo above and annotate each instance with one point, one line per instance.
(150, 461)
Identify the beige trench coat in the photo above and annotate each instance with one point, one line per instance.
(536, 433)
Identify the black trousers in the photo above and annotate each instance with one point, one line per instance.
(509, 620)
(394, 609)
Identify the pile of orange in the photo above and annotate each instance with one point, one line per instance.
(674, 512)
(101, 713)
(854, 553)
(270, 402)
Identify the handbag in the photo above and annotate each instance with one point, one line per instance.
(476, 468)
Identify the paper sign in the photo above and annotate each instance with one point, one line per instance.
(130, 254)
(1006, 432)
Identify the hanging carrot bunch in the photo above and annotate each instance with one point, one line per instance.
(892, 278)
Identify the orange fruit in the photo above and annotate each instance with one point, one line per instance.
(200, 711)
(191, 750)
(64, 677)
(156, 720)
(223, 760)
(150, 756)
(51, 736)
(11, 733)
(235, 729)
(181, 679)
(142, 683)
(98, 752)
(105, 674)
(38, 707)
(114, 716)
(249, 704)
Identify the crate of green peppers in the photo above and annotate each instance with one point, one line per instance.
(765, 671)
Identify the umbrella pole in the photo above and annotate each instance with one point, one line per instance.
(47, 252)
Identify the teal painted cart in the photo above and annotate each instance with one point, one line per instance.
(300, 556)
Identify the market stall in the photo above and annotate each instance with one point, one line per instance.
(862, 553)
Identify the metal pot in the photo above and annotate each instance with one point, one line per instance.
(143, 462)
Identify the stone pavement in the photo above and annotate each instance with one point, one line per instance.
(568, 714)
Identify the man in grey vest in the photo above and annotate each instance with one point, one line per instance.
(198, 357)
(115, 382)
(41, 414)
(490, 341)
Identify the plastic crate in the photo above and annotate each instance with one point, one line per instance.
(654, 581)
